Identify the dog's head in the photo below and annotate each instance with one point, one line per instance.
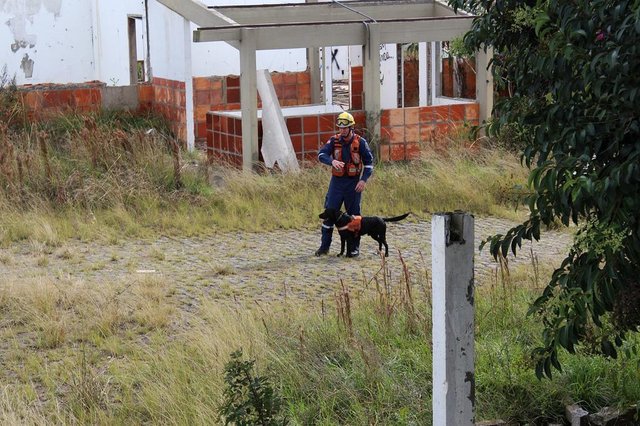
(331, 215)
(336, 217)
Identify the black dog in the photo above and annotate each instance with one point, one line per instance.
(351, 228)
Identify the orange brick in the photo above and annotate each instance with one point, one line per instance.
(413, 151)
(310, 142)
(385, 119)
(396, 117)
(471, 112)
(296, 141)
(277, 78)
(326, 123)
(396, 134)
(456, 112)
(290, 78)
(233, 95)
(385, 152)
(425, 115)
(145, 93)
(397, 152)
(233, 81)
(202, 97)
(441, 113)
(216, 84)
(201, 84)
(33, 100)
(201, 112)
(385, 134)
(412, 133)
(303, 78)
(411, 116)
(427, 132)
(304, 94)
(310, 124)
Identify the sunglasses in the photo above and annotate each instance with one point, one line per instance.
(343, 122)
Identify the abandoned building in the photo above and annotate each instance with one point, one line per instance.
(201, 65)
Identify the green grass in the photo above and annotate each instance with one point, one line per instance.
(105, 178)
(123, 355)
(125, 352)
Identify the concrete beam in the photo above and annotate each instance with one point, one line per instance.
(198, 13)
(309, 12)
(319, 34)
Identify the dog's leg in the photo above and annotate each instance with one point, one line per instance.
(342, 243)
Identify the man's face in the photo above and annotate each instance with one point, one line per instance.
(345, 131)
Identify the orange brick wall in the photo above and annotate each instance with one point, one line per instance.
(308, 133)
(169, 100)
(403, 130)
(468, 89)
(357, 87)
(223, 93)
(45, 100)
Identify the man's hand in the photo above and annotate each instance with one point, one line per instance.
(360, 186)
(338, 165)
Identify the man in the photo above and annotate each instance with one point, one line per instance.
(351, 163)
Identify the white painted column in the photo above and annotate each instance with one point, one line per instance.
(371, 77)
(484, 84)
(188, 86)
(96, 35)
(453, 323)
(313, 62)
(327, 76)
(423, 71)
(248, 99)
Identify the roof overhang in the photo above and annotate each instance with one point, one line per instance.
(329, 23)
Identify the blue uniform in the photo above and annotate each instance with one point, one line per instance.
(343, 189)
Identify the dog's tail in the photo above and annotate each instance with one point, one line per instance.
(396, 218)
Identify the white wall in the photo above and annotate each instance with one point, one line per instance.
(112, 39)
(46, 41)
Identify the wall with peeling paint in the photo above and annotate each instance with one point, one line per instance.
(44, 41)
(74, 41)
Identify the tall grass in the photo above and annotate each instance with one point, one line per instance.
(125, 354)
(112, 175)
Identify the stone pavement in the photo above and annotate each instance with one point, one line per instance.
(261, 267)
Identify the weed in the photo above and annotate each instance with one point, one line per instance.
(249, 399)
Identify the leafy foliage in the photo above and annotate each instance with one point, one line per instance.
(248, 399)
(572, 69)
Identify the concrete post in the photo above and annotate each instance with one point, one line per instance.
(453, 323)
(484, 85)
(188, 86)
(371, 77)
(249, 99)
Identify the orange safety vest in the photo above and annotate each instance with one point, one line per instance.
(353, 226)
(353, 167)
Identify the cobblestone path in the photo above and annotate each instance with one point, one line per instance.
(260, 267)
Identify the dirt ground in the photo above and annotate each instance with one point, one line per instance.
(260, 267)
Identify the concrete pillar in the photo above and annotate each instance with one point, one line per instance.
(249, 99)
(313, 61)
(188, 86)
(484, 84)
(453, 322)
(371, 77)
